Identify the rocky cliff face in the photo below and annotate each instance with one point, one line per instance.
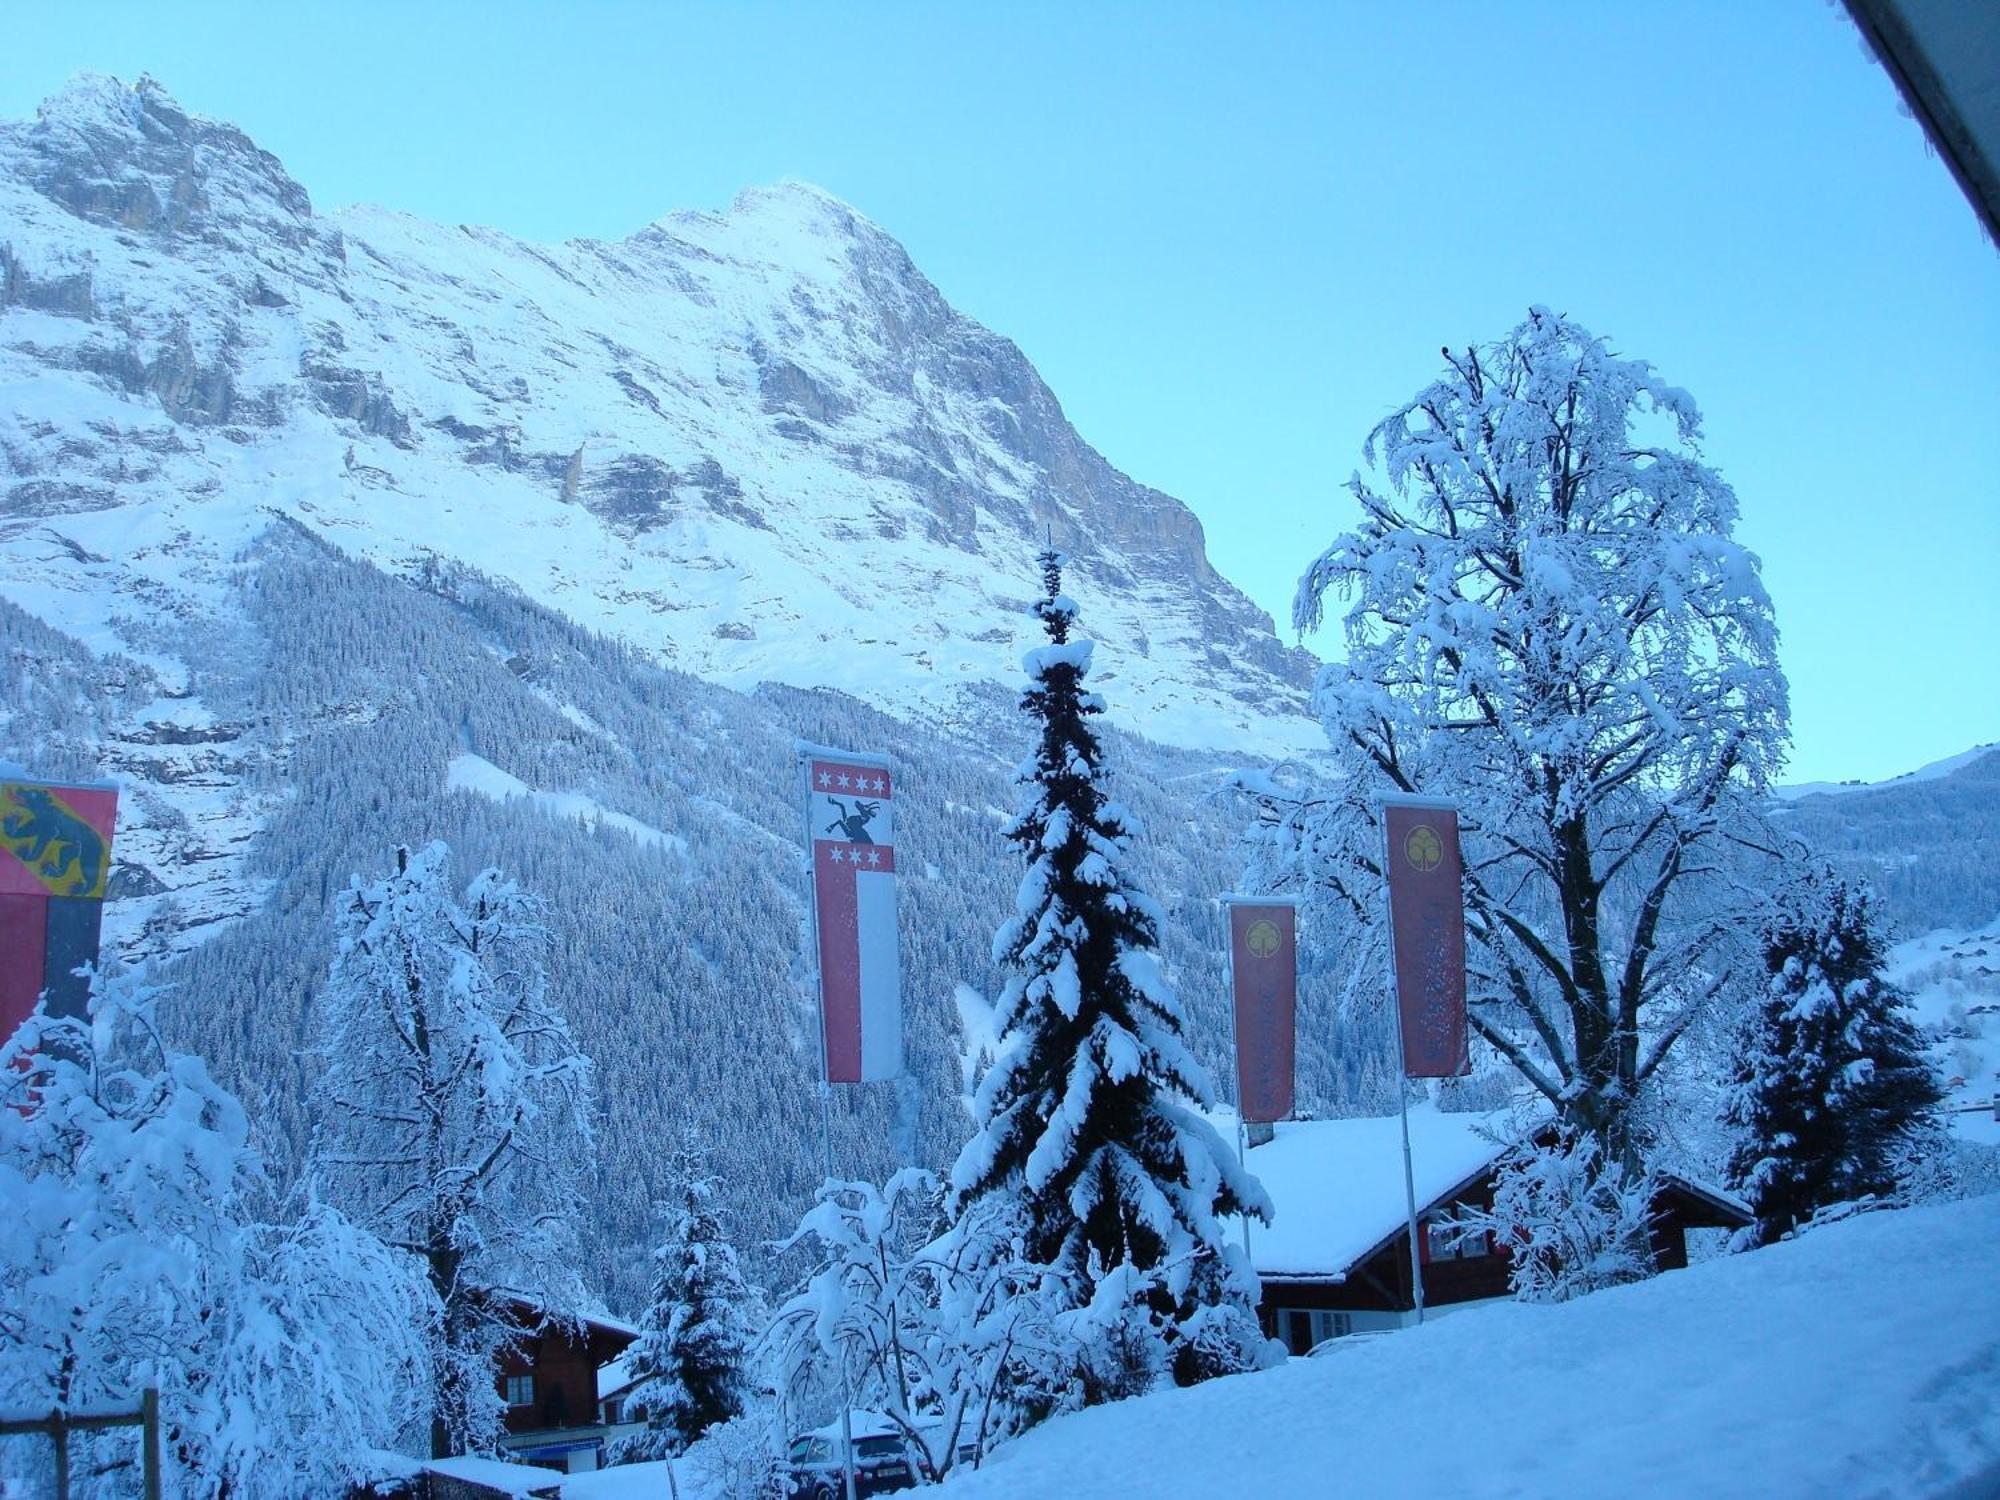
(758, 445)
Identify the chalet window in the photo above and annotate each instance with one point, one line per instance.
(1448, 1242)
(520, 1390)
(1331, 1325)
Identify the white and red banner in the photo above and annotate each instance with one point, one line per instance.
(851, 823)
(1264, 985)
(1427, 934)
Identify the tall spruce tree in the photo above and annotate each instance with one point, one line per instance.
(693, 1339)
(1087, 1117)
(1831, 1088)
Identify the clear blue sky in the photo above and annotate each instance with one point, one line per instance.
(1233, 236)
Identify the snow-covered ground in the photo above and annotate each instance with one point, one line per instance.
(1863, 1360)
(474, 773)
(1954, 983)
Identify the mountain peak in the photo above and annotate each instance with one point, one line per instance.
(128, 155)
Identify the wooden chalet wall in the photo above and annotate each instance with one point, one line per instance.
(1381, 1282)
(564, 1366)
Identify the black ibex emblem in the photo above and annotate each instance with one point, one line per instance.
(854, 824)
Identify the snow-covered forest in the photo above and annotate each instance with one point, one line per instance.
(458, 981)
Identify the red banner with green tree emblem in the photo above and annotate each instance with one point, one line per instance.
(1264, 985)
(1427, 936)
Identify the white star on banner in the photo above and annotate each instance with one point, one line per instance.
(874, 858)
(826, 778)
(839, 854)
(842, 778)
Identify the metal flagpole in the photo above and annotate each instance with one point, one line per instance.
(825, 1094)
(1402, 1097)
(1409, 1172)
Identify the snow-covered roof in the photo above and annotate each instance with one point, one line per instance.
(614, 1377)
(1337, 1185)
(528, 1307)
(522, 1480)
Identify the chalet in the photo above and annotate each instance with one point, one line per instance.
(549, 1379)
(1336, 1258)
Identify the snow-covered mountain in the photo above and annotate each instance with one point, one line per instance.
(325, 532)
(758, 445)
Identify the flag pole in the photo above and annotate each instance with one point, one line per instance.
(1235, 1056)
(1402, 1094)
(1409, 1172)
(804, 764)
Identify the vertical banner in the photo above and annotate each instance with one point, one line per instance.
(850, 821)
(1264, 985)
(55, 862)
(1427, 934)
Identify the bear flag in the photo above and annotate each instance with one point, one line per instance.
(851, 825)
(55, 862)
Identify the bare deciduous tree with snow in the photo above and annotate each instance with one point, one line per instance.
(1548, 622)
(454, 1114)
(135, 1255)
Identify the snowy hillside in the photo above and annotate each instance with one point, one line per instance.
(1860, 1361)
(1953, 979)
(1924, 841)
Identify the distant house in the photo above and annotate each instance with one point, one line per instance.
(1336, 1258)
(549, 1380)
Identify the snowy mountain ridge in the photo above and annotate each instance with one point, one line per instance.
(759, 445)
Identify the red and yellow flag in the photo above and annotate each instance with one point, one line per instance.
(55, 861)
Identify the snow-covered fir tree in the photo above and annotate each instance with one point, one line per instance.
(694, 1338)
(454, 1114)
(135, 1254)
(1549, 624)
(1832, 1093)
(1088, 1118)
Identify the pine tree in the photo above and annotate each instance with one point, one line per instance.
(454, 1114)
(1831, 1089)
(1088, 1115)
(694, 1339)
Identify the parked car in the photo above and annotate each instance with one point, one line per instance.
(881, 1461)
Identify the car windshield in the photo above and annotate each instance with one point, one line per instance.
(878, 1447)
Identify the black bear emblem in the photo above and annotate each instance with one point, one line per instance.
(66, 853)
